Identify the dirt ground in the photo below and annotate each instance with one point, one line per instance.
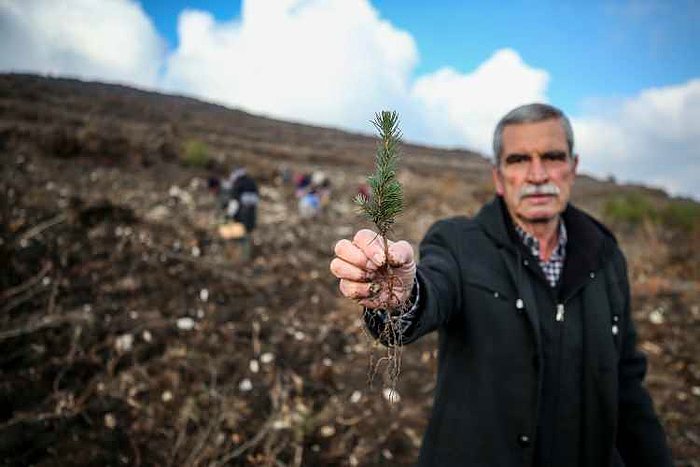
(131, 334)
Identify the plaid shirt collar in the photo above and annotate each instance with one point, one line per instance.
(555, 265)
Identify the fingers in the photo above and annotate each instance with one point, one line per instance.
(344, 270)
(371, 295)
(355, 290)
(371, 244)
(352, 254)
(381, 297)
(400, 253)
(378, 299)
(356, 265)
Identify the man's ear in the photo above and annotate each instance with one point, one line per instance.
(497, 177)
(574, 163)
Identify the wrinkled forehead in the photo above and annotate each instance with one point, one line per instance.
(534, 137)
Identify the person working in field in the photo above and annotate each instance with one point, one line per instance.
(240, 201)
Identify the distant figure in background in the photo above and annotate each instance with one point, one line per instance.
(317, 178)
(363, 189)
(302, 181)
(309, 205)
(285, 174)
(213, 184)
(240, 194)
(322, 184)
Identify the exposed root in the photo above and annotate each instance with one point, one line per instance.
(389, 364)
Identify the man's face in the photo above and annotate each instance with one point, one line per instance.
(535, 171)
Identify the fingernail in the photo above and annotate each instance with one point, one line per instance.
(378, 259)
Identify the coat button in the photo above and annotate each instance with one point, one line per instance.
(524, 440)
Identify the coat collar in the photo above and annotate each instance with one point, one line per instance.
(588, 240)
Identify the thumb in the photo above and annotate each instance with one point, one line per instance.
(400, 254)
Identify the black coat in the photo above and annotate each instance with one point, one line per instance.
(473, 280)
(245, 192)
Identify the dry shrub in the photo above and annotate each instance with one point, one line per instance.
(195, 153)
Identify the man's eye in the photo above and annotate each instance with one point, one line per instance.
(557, 156)
(517, 158)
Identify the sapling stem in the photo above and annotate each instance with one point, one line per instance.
(382, 207)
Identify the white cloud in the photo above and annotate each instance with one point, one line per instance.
(652, 138)
(333, 62)
(110, 40)
(336, 62)
(464, 108)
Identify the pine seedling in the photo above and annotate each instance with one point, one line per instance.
(386, 200)
(382, 207)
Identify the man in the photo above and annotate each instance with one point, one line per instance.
(537, 350)
(241, 201)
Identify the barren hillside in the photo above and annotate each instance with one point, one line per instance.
(131, 334)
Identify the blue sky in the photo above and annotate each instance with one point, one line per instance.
(627, 72)
(592, 49)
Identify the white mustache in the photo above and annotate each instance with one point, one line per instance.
(546, 189)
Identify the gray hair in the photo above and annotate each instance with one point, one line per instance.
(530, 113)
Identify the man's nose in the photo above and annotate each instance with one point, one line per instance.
(537, 172)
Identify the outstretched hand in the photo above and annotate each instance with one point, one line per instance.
(360, 266)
